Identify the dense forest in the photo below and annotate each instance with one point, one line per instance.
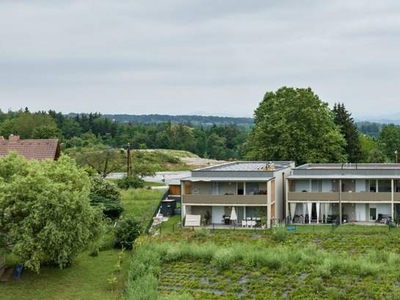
(191, 120)
(290, 124)
(219, 141)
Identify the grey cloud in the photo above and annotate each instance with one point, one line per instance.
(216, 52)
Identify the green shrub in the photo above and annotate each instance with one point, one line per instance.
(130, 182)
(126, 232)
(106, 194)
(111, 208)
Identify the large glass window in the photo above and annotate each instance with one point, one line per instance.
(252, 188)
(385, 186)
(348, 185)
(372, 185)
(397, 186)
(240, 188)
(316, 185)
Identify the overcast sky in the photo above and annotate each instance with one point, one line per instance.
(210, 57)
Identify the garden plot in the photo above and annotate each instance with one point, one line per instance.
(202, 282)
(266, 269)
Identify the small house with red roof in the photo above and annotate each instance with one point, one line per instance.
(39, 149)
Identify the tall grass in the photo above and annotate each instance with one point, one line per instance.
(141, 203)
(310, 259)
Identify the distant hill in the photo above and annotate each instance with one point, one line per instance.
(382, 119)
(194, 120)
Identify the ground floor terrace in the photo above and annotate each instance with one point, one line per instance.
(316, 212)
(232, 215)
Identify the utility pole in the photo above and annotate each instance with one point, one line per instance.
(128, 161)
(395, 152)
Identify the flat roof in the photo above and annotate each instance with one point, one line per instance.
(343, 176)
(227, 179)
(350, 166)
(250, 166)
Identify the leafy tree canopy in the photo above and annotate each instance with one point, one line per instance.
(389, 140)
(24, 124)
(294, 124)
(45, 209)
(103, 159)
(105, 193)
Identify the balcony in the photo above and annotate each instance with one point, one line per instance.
(366, 197)
(345, 196)
(313, 196)
(225, 199)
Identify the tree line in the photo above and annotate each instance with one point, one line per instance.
(289, 124)
(222, 141)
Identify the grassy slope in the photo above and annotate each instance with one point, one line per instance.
(141, 203)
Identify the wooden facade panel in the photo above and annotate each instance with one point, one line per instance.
(273, 194)
(174, 189)
(188, 187)
(273, 214)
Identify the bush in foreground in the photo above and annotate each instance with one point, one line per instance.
(126, 232)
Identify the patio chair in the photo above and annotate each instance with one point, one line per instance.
(251, 223)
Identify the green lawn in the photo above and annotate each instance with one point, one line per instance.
(141, 203)
(87, 279)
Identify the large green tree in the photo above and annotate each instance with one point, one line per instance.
(25, 123)
(369, 151)
(103, 159)
(348, 128)
(294, 124)
(389, 140)
(46, 217)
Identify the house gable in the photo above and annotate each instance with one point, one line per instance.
(38, 149)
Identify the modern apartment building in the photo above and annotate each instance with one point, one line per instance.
(322, 193)
(254, 189)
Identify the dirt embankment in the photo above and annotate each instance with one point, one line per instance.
(198, 162)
